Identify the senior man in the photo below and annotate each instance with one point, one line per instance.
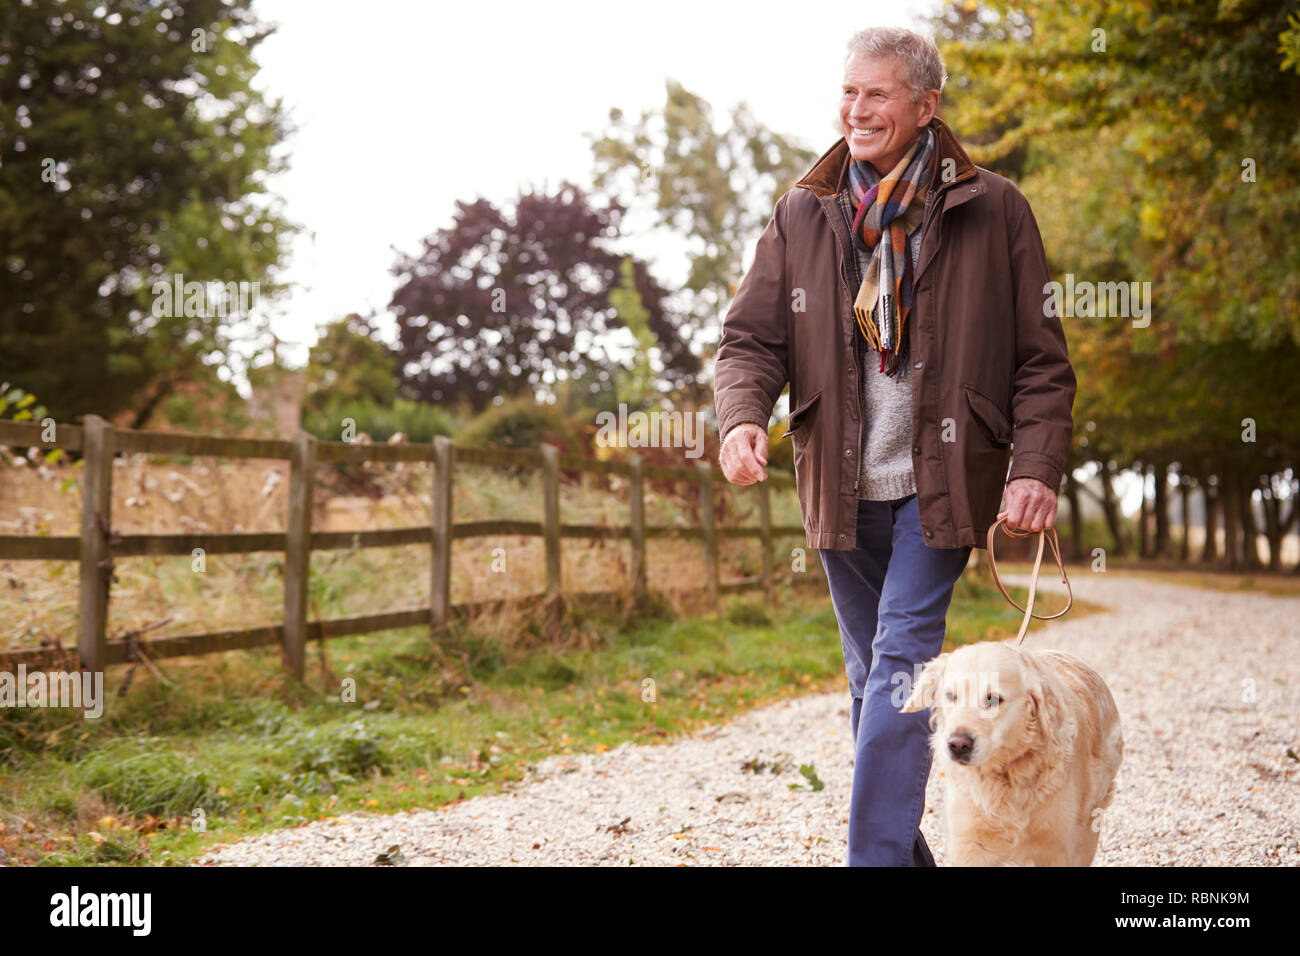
(901, 290)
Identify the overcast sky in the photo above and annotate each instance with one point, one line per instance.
(405, 107)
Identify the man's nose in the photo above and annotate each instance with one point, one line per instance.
(960, 746)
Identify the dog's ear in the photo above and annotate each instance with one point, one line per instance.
(922, 695)
(1046, 708)
(1036, 690)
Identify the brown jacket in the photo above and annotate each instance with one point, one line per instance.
(988, 367)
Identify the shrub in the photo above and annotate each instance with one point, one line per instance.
(420, 422)
(348, 750)
(747, 613)
(521, 423)
(161, 784)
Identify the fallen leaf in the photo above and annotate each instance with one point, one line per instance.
(391, 857)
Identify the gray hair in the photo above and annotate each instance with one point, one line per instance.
(922, 65)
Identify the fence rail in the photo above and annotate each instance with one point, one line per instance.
(96, 546)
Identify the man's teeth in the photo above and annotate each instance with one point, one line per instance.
(866, 132)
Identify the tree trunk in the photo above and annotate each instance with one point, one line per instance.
(1162, 547)
(1144, 538)
(1210, 551)
(1185, 513)
(1249, 527)
(1284, 524)
(145, 412)
(1272, 523)
(1110, 508)
(1231, 505)
(1072, 495)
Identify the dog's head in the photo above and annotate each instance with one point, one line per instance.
(989, 702)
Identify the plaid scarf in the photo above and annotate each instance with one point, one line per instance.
(884, 211)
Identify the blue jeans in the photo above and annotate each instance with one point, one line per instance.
(891, 597)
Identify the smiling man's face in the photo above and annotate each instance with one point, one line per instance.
(877, 116)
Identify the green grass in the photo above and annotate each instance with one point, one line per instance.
(228, 745)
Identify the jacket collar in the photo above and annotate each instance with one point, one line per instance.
(830, 174)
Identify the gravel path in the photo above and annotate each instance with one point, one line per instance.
(1208, 688)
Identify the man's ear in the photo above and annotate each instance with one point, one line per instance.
(923, 693)
(929, 105)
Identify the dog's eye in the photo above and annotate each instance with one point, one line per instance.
(992, 699)
(949, 697)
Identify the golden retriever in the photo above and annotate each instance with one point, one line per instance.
(1030, 744)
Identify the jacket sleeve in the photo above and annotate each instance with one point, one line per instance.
(1044, 385)
(752, 365)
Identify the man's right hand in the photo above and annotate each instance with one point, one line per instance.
(744, 453)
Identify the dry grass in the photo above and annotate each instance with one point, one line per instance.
(38, 599)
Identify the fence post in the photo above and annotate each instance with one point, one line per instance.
(297, 557)
(705, 470)
(636, 516)
(440, 600)
(765, 523)
(96, 559)
(551, 514)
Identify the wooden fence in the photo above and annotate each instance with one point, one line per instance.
(98, 544)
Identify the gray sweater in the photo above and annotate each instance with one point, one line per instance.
(885, 471)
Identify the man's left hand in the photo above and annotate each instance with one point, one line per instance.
(1031, 504)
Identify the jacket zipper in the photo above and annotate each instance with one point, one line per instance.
(858, 349)
(861, 381)
(930, 202)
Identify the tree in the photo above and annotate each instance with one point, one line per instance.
(716, 188)
(1160, 144)
(637, 385)
(349, 363)
(500, 297)
(133, 148)
(1196, 100)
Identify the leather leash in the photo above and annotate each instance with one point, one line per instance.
(1033, 580)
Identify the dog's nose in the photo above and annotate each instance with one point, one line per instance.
(960, 746)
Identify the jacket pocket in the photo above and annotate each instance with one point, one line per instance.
(800, 414)
(987, 411)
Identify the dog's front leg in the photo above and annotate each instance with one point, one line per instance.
(972, 851)
(974, 838)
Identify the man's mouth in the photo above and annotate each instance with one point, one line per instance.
(863, 133)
